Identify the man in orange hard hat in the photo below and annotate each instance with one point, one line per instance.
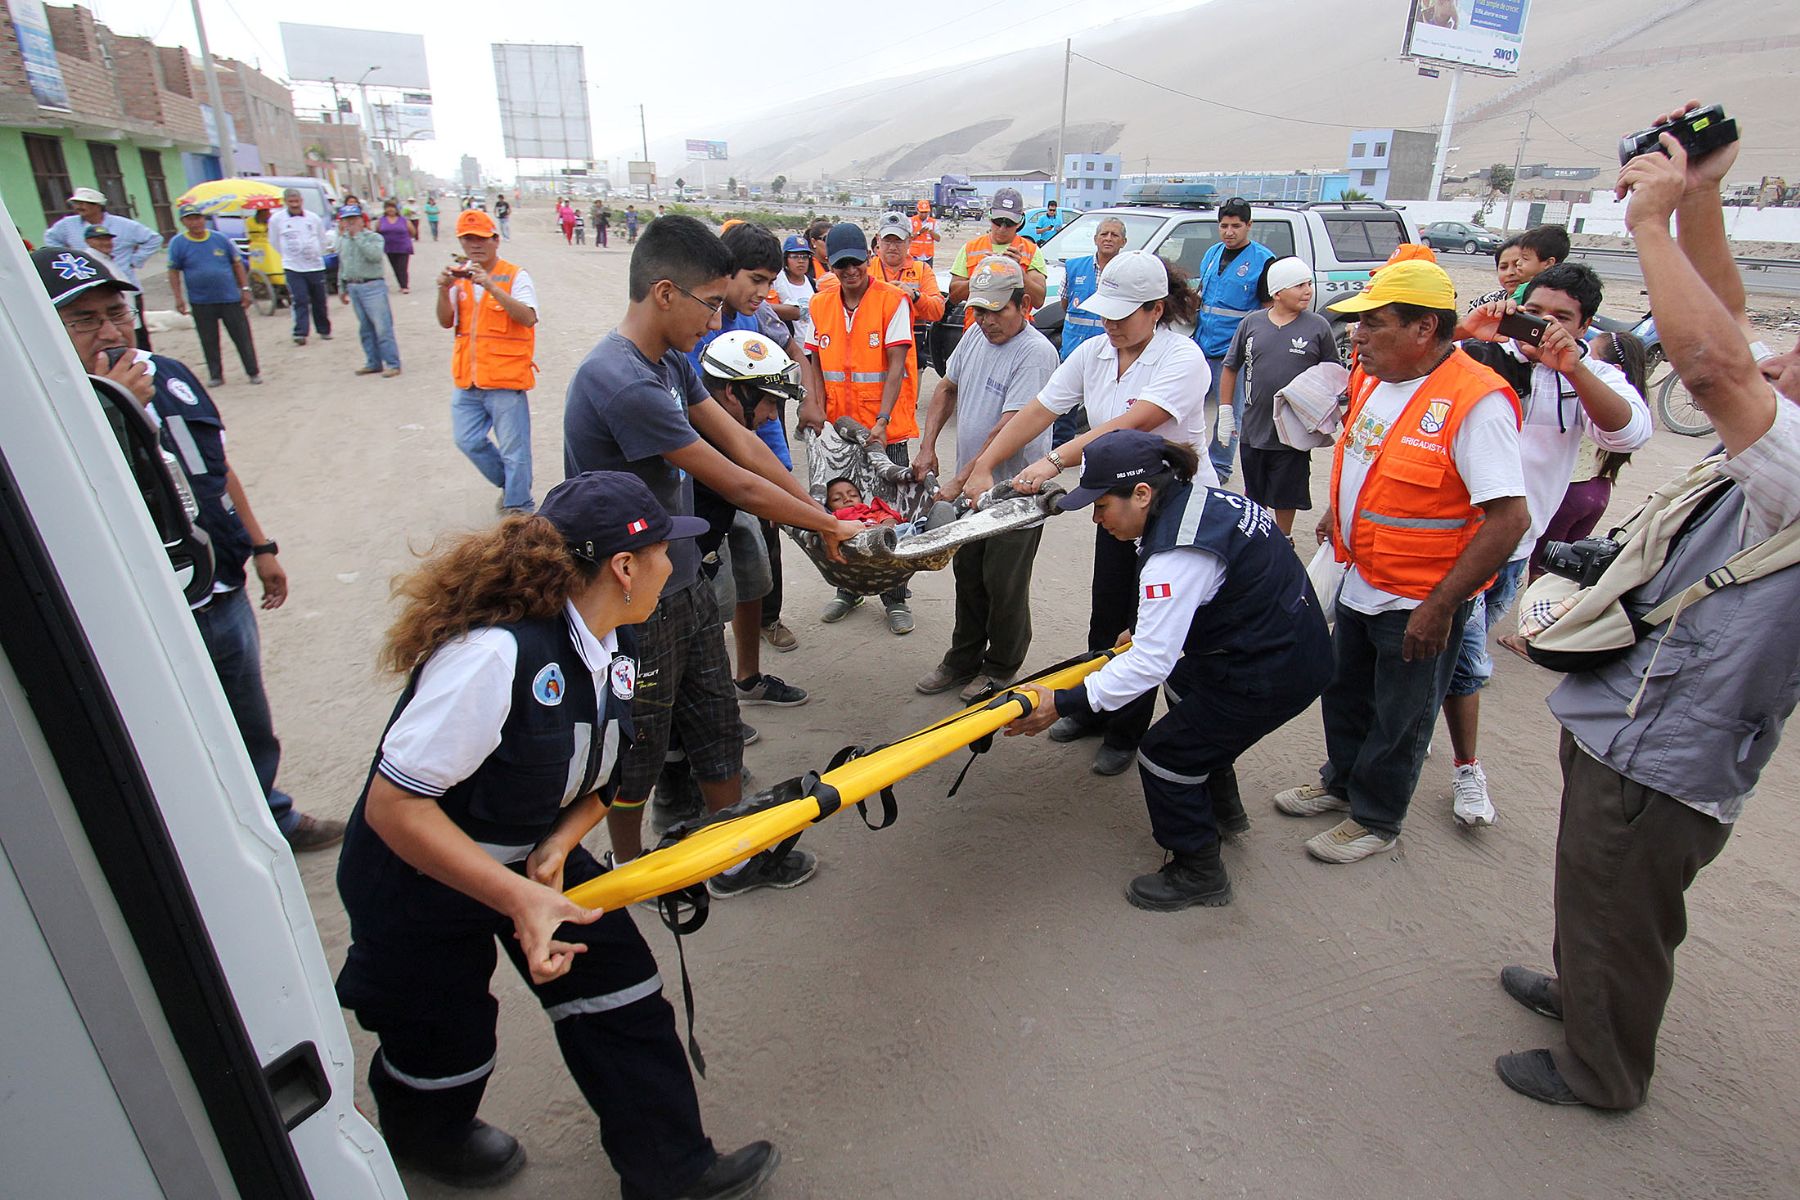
(924, 234)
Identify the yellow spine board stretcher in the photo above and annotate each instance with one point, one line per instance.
(715, 848)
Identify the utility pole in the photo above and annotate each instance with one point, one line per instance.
(1518, 162)
(1062, 127)
(224, 145)
(644, 132)
(1444, 131)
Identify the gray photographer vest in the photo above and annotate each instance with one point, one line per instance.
(1717, 683)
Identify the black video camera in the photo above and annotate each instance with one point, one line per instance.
(1699, 132)
(1584, 561)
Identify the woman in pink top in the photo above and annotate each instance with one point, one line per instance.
(565, 213)
(396, 241)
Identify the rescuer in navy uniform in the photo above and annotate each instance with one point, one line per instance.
(501, 754)
(1227, 625)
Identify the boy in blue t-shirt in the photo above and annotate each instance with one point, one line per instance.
(206, 264)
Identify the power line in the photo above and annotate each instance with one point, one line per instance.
(1216, 103)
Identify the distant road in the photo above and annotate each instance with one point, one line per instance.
(1762, 276)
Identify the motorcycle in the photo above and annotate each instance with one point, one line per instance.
(1674, 404)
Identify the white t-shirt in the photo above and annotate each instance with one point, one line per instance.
(1485, 449)
(453, 722)
(300, 240)
(524, 290)
(1550, 442)
(1171, 373)
(797, 293)
(1171, 588)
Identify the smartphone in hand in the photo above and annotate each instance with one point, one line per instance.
(1523, 327)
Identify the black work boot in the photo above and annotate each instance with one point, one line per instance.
(738, 1175)
(483, 1157)
(1185, 880)
(1228, 806)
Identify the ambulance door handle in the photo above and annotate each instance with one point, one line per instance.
(297, 1082)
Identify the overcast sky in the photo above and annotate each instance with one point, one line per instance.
(694, 67)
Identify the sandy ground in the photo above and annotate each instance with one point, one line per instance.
(964, 1005)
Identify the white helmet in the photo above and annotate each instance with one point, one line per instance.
(747, 357)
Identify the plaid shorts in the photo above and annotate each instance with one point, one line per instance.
(684, 685)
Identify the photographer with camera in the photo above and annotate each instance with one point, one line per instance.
(1536, 345)
(1663, 741)
(362, 284)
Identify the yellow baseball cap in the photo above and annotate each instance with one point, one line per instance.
(1410, 281)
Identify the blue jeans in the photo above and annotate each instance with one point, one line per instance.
(1222, 453)
(306, 291)
(1069, 426)
(228, 627)
(1473, 665)
(506, 227)
(1379, 711)
(473, 411)
(369, 300)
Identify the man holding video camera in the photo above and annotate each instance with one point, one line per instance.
(1536, 345)
(1661, 746)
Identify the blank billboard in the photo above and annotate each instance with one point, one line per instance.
(543, 101)
(325, 52)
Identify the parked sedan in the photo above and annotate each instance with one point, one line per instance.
(1460, 235)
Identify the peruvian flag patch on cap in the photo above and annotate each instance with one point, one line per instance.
(637, 526)
(1156, 591)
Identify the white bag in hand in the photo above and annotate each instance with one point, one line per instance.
(1327, 576)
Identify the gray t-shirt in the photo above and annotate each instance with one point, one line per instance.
(1275, 354)
(623, 413)
(992, 381)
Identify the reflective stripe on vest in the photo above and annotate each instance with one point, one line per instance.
(1413, 494)
(855, 376)
(978, 249)
(1219, 310)
(852, 354)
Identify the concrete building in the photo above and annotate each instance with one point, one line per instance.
(1391, 164)
(81, 106)
(1092, 180)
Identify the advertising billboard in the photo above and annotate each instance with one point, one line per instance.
(403, 122)
(320, 53)
(700, 148)
(641, 173)
(1482, 35)
(543, 96)
(31, 25)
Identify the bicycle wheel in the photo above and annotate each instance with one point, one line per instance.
(262, 292)
(1679, 412)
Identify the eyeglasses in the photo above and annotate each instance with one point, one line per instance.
(714, 306)
(91, 322)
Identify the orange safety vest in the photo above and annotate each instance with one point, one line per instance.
(978, 249)
(492, 350)
(930, 304)
(923, 244)
(853, 358)
(1413, 516)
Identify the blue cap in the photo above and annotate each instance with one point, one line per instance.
(603, 513)
(846, 241)
(350, 210)
(1116, 459)
(795, 244)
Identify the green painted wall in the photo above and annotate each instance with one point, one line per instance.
(19, 189)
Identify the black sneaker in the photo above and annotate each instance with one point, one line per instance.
(1532, 989)
(1533, 1073)
(770, 689)
(766, 871)
(736, 1176)
(749, 733)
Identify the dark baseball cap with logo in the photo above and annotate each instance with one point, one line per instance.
(1007, 205)
(846, 241)
(67, 274)
(1117, 459)
(603, 513)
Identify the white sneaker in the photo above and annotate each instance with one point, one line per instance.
(1348, 842)
(1470, 804)
(1309, 800)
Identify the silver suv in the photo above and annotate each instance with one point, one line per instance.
(1343, 240)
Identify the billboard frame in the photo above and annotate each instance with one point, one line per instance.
(1412, 22)
(399, 57)
(527, 105)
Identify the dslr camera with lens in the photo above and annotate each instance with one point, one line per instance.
(1584, 561)
(1699, 132)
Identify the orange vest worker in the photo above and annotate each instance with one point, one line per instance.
(979, 248)
(923, 244)
(492, 350)
(930, 304)
(852, 353)
(1413, 516)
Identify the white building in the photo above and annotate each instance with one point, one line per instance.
(1092, 180)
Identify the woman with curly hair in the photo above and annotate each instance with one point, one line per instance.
(501, 754)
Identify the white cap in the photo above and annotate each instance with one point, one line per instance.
(1285, 273)
(1129, 281)
(87, 196)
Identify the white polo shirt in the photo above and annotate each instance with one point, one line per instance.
(453, 721)
(1171, 373)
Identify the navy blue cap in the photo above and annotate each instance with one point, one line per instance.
(67, 274)
(795, 244)
(1116, 459)
(603, 513)
(846, 240)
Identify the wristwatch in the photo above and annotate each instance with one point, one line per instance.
(1056, 461)
(268, 547)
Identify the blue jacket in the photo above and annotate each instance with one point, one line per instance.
(1081, 279)
(1227, 297)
